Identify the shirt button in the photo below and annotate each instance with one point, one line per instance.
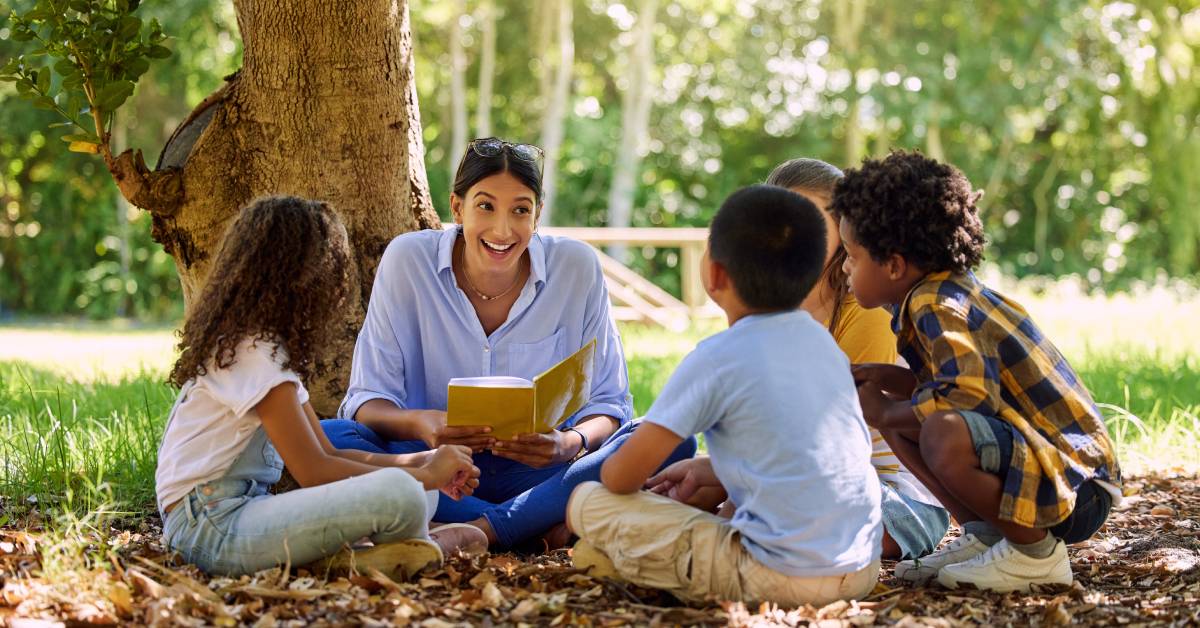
(207, 490)
(487, 349)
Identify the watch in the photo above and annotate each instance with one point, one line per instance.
(583, 447)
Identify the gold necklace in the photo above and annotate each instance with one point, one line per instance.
(462, 262)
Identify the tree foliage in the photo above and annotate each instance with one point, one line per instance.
(1079, 119)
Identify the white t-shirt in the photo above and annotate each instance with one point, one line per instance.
(214, 418)
(779, 411)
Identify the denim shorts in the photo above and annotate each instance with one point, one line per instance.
(993, 440)
(915, 526)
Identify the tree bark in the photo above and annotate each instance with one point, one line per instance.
(487, 70)
(635, 123)
(324, 107)
(556, 109)
(458, 90)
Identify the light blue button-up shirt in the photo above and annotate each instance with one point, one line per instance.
(421, 330)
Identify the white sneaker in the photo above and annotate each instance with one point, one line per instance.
(920, 570)
(1003, 568)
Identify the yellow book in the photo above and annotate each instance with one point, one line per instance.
(514, 405)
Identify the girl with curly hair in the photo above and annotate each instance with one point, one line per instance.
(250, 340)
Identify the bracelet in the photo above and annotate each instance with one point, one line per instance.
(583, 448)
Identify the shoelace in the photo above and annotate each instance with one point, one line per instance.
(954, 546)
(994, 552)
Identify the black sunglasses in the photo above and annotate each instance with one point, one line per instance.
(492, 146)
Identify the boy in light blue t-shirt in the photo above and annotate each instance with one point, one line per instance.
(788, 446)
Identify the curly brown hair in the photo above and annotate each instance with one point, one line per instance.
(280, 277)
(913, 206)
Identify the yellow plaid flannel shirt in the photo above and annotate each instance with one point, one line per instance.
(973, 349)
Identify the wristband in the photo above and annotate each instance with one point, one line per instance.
(583, 447)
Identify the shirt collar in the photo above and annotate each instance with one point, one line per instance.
(537, 254)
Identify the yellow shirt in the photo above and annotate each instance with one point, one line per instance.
(866, 336)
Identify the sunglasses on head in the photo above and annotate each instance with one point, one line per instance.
(492, 146)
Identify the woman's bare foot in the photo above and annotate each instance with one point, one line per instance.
(557, 537)
(460, 537)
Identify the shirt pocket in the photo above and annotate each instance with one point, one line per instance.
(530, 359)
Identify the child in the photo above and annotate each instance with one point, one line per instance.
(276, 288)
(913, 520)
(991, 417)
(775, 400)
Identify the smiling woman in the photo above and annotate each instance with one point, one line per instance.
(490, 297)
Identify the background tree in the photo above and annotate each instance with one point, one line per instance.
(270, 129)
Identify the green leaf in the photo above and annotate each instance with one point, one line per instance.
(158, 52)
(64, 67)
(24, 86)
(43, 80)
(80, 137)
(44, 103)
(83, 6)
(113, 95)
(136, 67)
(129, 27)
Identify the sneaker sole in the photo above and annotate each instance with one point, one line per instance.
(950, 582)
(400, 559)
(598, 565)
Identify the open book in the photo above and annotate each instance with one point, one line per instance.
(513, 405)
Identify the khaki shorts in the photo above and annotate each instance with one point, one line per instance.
(655, 541)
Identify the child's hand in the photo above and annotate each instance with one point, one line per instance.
(890, 378)
(692, 482)
(874, 403)
(430, 427)
(451, 470)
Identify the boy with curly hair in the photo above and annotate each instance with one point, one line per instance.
(990, 417)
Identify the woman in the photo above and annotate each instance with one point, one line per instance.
(914, 521)
(489, 297)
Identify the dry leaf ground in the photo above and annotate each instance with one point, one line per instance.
(1142, 568)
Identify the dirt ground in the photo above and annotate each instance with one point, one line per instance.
(1142, 568)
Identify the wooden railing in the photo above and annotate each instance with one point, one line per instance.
(636, 298)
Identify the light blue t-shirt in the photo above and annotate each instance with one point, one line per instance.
(421, 330)
(775, 400)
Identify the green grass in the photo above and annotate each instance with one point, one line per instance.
(82, 410)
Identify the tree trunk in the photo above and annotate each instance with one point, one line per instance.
(324, 107)
(458, 90)
(487, 70)
(556, 109)
(635, 123)
(848, 21)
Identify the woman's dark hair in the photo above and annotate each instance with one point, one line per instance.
(913, 206)
(475, 167)
(772, 243)
(818, 178)
(280, 277)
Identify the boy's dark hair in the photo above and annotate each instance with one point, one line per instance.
(771, 241)
(913, 206)
(280, 277)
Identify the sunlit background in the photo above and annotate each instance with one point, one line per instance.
(1077, 119)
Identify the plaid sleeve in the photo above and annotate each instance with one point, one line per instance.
(959, 372)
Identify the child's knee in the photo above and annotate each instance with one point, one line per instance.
(945, 441)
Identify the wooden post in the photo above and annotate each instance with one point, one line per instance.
(693, 290)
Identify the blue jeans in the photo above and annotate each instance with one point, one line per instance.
(993, 441)
(232, 526)
(519, 501)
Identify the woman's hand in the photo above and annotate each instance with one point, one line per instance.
(540, 450)
(890, 378)
(450, 470)
(692, 482)
(430, 426)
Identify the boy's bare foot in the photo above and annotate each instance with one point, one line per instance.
(460, 537)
